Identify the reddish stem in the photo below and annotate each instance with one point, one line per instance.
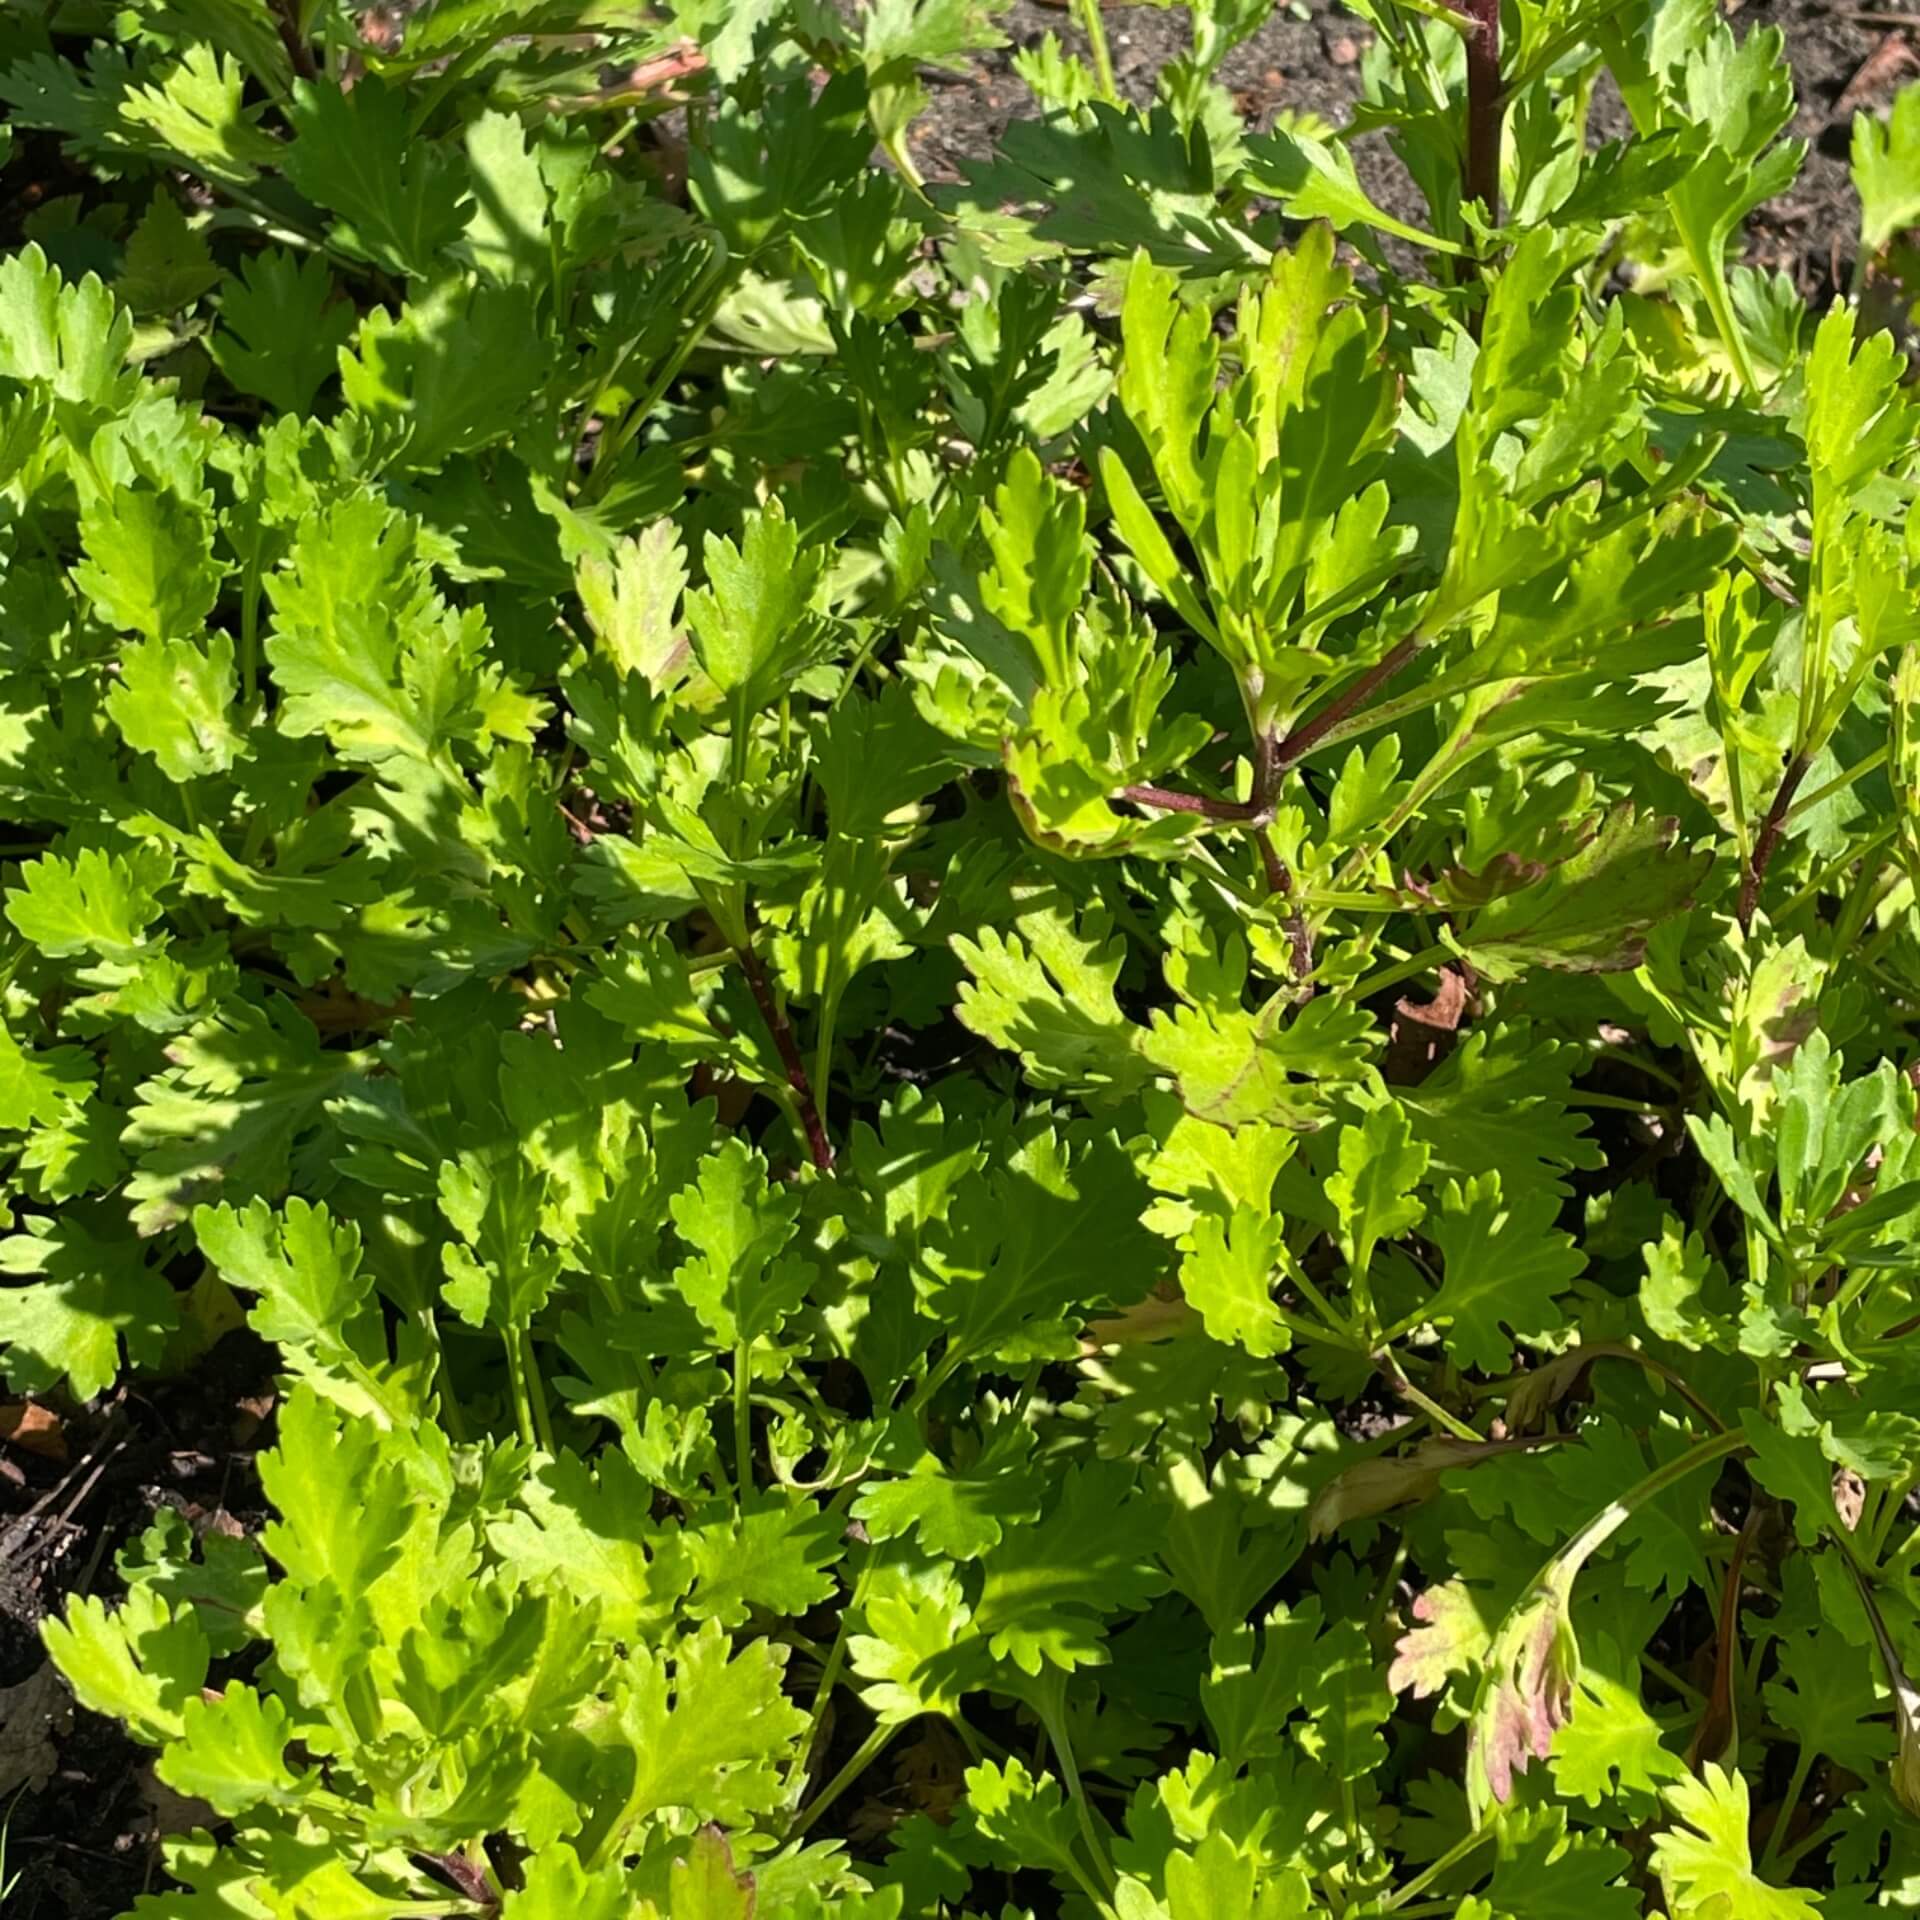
(1771, 828)
(1302, 741)
(299, 54)
(1169, 800)
(775, 1015)
(1482, 180)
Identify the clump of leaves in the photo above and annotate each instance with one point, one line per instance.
(1040, 1012)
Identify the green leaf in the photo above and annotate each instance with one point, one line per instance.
(281, 328)
(149, 563)
(243, 1098)
(1503, 1267)
(575, 1529)
(168, 264)
(451, 373)
(555, 1886)
(774, 1556)
(960, 1511)
(708, 1728)
(396, 200)
(1023, 1814)
(174, 700)
(142, 1663)
(1793, 1467)
(42, 1088)
(1541, 1868)
(87, 1290)
(1049, 1589)
(1314, 179)
(632, 601)
(97, 903)
(1886, 170)
(737, 1223)
(1373, 1191)
(752, 625)
(69, 342)
(232, 1753)
(1228, 1275)
(1705, 1864)
(1593, 911)
(917, 1655)
(507, 236)
(365, 652)
(1046, 1236)
(1857, 419)
(1046, 993)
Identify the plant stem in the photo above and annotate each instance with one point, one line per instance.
(1871, 763)
(1401, 970)
(1425, 1878)
(1170, 800)
(1768, 838)
(1095, 28)
(1441, 1418)
(830, 1672)
(868, 1752)
(1304, 738)
(1796, 1784)
(1482, 176)
(517, 1385)
(743, 1421)
(1052, 1709)
(775, 1016)
(1615, 1514)
(536, 1389)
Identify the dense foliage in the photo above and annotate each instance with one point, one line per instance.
(1059, 1023)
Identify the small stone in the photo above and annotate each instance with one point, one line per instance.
(1345, 51)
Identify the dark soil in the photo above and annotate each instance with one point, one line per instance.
(84, 1833)
(1307, 60)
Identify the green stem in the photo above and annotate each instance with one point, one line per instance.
(1615, 1103)
(743, 1421)
(1088, 14)
(1616, 1513)
(1425, 1878)
(1406, 969)
(449, 1401)
(1434, 1411)
(1343, 1329)
(1726, 324)
(1051, 1704)
(517, 1386)
(830, 1672)
(250, 628)
(536, 1390)
(1840, 782)
(1789, 1860)
(869, 1751)
(1796, 1784)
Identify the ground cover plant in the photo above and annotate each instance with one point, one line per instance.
(1059, 1026)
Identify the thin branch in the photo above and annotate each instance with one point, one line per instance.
(1302, 741)
(788, 1047)
(299, 54)
(1483, 106)
(1768, 838)
(1170, 800)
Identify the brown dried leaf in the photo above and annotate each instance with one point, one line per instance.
(34, 1429)
(1372, 1487)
